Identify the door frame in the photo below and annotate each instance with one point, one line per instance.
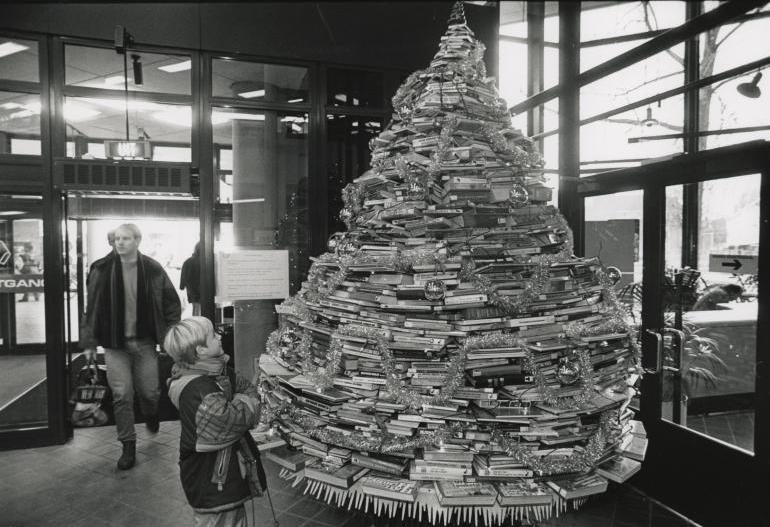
(681, 461)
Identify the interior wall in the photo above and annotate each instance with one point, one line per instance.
(401, 35)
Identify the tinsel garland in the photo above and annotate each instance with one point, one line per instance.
(550, 395)
(323, 376)
(385, 443)
(578, 461)
(320, 285)
(353, 197)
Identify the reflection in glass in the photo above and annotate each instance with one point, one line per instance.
(259, 82)
(266, 153)
(103, 68)
(19, 60)
(19, 123)
(354, 88)
(92, 120)
(23, 394)
(348, 157)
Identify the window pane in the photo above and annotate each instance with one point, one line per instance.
(348, 157)
(727, 225)
(91, 120)
(609, 19)
(254, 81)
(268, 181)
(513, 78)
(354, 88)
(19, 60)
(103, 68)
(631, 137)
(646, 78)
(722, 106)
(725, 108)
(19, 119)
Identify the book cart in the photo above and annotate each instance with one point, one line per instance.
(449, 358)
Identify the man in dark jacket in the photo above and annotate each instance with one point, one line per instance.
(131, 305)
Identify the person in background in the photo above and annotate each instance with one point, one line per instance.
(131, 305)
(190, 279)
(26, 264)
(717, 294)
(218, 461)
(111, 243)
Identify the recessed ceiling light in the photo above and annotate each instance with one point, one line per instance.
(9, 48)
(179, 66)
(295, 100)
(252, 94)
(11, 212)
(115, 79)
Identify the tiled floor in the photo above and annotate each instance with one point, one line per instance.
(736, 428)
(77, 484)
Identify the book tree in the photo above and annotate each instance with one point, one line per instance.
(449, 358)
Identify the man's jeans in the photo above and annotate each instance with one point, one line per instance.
(133, 368)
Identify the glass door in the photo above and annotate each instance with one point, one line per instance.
(23, 371)
(686, 236)
(700, 334)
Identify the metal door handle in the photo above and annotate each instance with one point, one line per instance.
(658, 352)
(680, 337)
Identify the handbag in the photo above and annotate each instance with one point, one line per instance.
(91, 384)
(90, 393)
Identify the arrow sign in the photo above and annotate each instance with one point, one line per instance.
(733, 263)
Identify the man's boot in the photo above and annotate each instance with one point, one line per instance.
(128, 458)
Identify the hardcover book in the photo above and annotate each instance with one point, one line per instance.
(393, 488)
(524, 492)
(580, 486)
(618, 469)
(461, 493)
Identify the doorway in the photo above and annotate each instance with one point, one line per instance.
(170, 229)
(703, 398)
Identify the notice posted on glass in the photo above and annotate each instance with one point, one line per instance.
(252, 275)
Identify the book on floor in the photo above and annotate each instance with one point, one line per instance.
(452, 493)
(618, 468)
(579, 486)
(524, 492)
(395, 488)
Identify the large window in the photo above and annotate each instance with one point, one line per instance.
(20, 103)
(19, 60)
(104, 68)
(260, 82)
(19, 123)
(261, 157)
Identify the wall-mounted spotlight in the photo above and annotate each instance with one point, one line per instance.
(136, 60)
(751, 89)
